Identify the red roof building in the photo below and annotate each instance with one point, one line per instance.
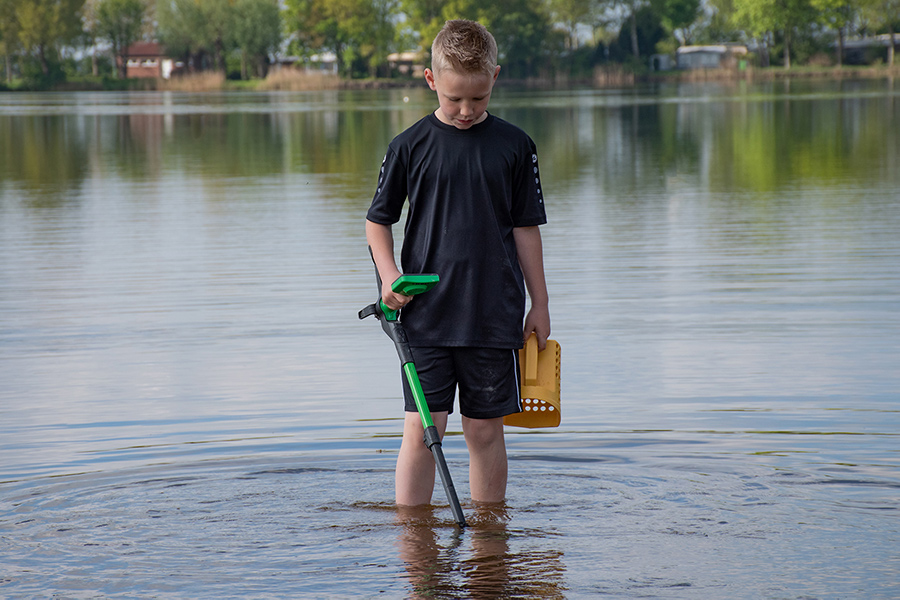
(149, 60)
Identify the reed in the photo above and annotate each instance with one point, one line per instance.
(610, 76)
(207, 81)
(295, 80)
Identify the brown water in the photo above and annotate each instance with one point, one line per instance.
(190, 408)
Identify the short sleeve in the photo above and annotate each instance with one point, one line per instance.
(528, 197)
(387, 205)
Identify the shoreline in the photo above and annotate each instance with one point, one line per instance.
(604, 78)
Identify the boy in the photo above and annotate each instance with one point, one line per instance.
(475, 205)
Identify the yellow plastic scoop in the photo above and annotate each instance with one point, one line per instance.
(540, 386)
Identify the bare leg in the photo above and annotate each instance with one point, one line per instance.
(487, 458)
(414, 479)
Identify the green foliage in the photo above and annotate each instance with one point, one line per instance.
(759, 17)
(579, 64)
(720, 26)
(884, 17)
(649, 32)
(522, 28)
(197, 29)
(257, 32)
(120, 23)
(424, 17)
(38, 75)
(9, 27)
(677, 16)
(523, 33)
(543, 38)
(572, 13)
(356, 31)
(177, 22)
(43, 26)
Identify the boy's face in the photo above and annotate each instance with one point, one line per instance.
(463, 98)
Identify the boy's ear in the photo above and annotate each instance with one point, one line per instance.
(429, 78)
(496, 72)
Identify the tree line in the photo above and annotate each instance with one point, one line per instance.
(48, 39)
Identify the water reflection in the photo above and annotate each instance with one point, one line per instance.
(179, 283)
(485, 568)
(42, 153)
(621, 145)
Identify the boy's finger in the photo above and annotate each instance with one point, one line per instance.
(396, 301)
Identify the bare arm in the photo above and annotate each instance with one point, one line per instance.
(381, 241)
(531, 258)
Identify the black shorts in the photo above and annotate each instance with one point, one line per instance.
(487, 378)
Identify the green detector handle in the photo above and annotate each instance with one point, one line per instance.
(409, 285)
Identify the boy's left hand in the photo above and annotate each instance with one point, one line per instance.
(537, 321)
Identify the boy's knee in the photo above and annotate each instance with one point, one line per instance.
(483, 432)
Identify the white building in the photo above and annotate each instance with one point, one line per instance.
(709, 57)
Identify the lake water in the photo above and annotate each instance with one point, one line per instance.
(190, 408)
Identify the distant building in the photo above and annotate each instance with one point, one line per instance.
(709, 57)
(406, 63)
(661, 62)
(866, 50)
(324, 63)
(149, 60)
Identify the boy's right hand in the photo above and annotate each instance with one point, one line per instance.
(392, 299)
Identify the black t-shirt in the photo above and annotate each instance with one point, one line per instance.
(467, 190)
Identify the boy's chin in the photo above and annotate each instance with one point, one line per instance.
(461, 123)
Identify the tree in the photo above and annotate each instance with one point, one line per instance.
(196, 29)
(424, 18)
(521, 28)
(176, 22)
(120, 22)
(570, 14)
(678, 16)
(354, 30)
(884, 15)
(758, 17)
(383, 35)
(256, 33)
(91, 32)
(523, 33)
(9, 34)
(643, 33)
(633, 7)
(217, 34)
(45, 25)
(837, 14)
(720, 26)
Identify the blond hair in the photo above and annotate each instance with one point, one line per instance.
(464, 47)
